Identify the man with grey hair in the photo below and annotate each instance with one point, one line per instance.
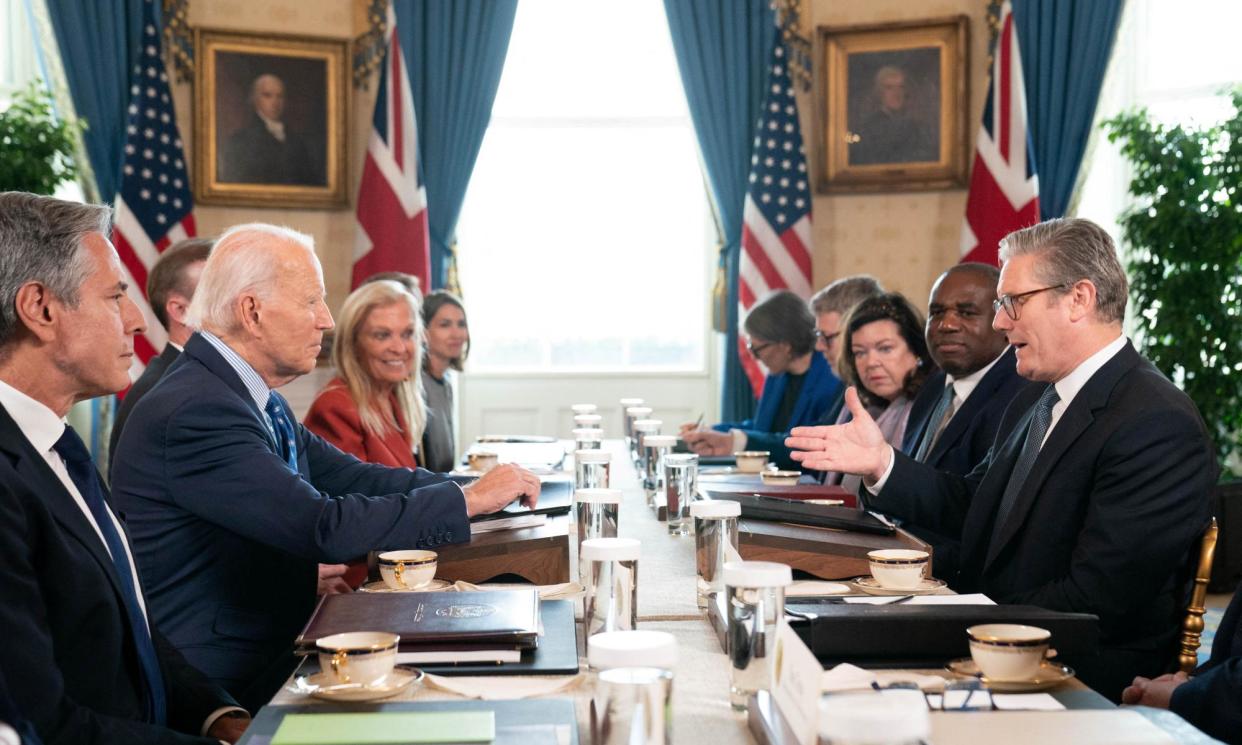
(831, 305)
(1097, 486)
(83, 653)
(232, 502)
(267, 150)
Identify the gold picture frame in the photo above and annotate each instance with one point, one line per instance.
(270, 120)
(891, 106)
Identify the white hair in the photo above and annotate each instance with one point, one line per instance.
(242, 261)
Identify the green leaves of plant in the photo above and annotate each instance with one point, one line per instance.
(36, 148)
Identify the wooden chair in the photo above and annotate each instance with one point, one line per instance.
(1192, 627)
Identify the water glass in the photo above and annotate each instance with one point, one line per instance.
(633, 414)
(611, 584)
(588, 421)
(642, 428)
(655, 447)
(681, 475)
(598, 514)
(632, 706)
(592, 469)
(755, 592)
(588, 439)
(715, 543)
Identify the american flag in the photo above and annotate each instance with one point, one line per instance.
(392, 201)
(776, 217)
(153, 209)
(1004, 190)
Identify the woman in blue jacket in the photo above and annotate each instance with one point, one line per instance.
(798, 390)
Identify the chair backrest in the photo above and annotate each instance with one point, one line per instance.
(1192, 627)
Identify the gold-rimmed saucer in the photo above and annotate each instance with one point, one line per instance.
(1051, 674)
(321, 686)
(435, 585)
(871, 586)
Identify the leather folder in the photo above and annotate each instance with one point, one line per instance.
(756, 505)
(928, 635)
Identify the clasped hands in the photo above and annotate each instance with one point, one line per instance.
(856, 447)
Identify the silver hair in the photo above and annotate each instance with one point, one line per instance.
(1070, 250)
(843, 294)
(41, 241)
(240, 262)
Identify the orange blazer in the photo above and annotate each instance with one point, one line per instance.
(334, 417)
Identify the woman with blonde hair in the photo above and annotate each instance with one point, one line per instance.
(373, 408)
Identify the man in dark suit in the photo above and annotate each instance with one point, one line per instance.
(84, 660)
(1210, 698)
(267, 150)
(170, 287)
(831, 305)
(232, 502)
(954, 419)
(1097, 486)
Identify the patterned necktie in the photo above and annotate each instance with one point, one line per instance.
(86, 479)
(934, 424)
(282, 425)
(1040, 419)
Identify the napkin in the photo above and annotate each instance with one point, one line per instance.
(847, 677)
(562, 591)
(501, 687)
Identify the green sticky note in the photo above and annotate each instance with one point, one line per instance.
(386, 728)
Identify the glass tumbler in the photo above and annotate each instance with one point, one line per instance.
(715, 543)
(755, 594)
(681, 475)
(611, 585)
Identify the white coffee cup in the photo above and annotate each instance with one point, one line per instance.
(408, 570)
(482, 460)
(1008, 651)
(898, 568)
(751, 461)
(358, 657)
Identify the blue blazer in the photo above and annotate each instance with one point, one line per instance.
(1212, 699)
(64, 625)
(228, 538)
(816, 397)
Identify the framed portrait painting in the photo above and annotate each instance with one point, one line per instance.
(270, 120)
(891, 106)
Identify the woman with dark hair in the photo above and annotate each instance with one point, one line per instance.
(798, 390)
(448, 345)
(884, 355)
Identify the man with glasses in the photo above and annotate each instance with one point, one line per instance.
(1096, 488)
(831, 305)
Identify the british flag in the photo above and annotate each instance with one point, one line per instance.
(392, 201)
(153, 208)
(1004, 190)
(776, 216)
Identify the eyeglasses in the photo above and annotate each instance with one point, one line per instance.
(757, 349)
(968, 694)
(826, 338)
(1011, 303)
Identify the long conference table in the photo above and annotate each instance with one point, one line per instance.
(666, 602)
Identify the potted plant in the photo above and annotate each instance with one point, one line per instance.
(1184, 241)
(36, 148)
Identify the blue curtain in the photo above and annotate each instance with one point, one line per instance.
(455, 52)
(1066, 45)
(723, 51)
(99, 45)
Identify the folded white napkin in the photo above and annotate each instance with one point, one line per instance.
(847, 677)
(502, 687)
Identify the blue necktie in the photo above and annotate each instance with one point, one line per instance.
(86, 478)
(1040, 420)
(282, 425)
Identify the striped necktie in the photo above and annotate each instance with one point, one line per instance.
(935, 423)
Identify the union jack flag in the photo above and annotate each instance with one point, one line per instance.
(776, 216)
(1004, 190)
(392, 201)
(153, 208)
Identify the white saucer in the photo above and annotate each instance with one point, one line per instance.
(435, 585)
(320, 686)
(871, 586)
(1050, 675)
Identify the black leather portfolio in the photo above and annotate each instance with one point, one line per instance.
(755, 507)
(927, 635)
(557, 653)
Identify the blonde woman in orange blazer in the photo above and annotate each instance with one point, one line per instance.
(374, 408)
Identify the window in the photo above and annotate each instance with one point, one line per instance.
(17, 53)
(1175, 59)
(585, 241)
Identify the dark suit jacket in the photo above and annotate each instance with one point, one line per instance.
(1104, 523)
(253, 156)
(228, 537)
(966, 439)
(1212, 699)
(145, 382)
(814, 399)
(63, 621)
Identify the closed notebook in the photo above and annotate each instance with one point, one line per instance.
(431, 620)
(386, 728)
